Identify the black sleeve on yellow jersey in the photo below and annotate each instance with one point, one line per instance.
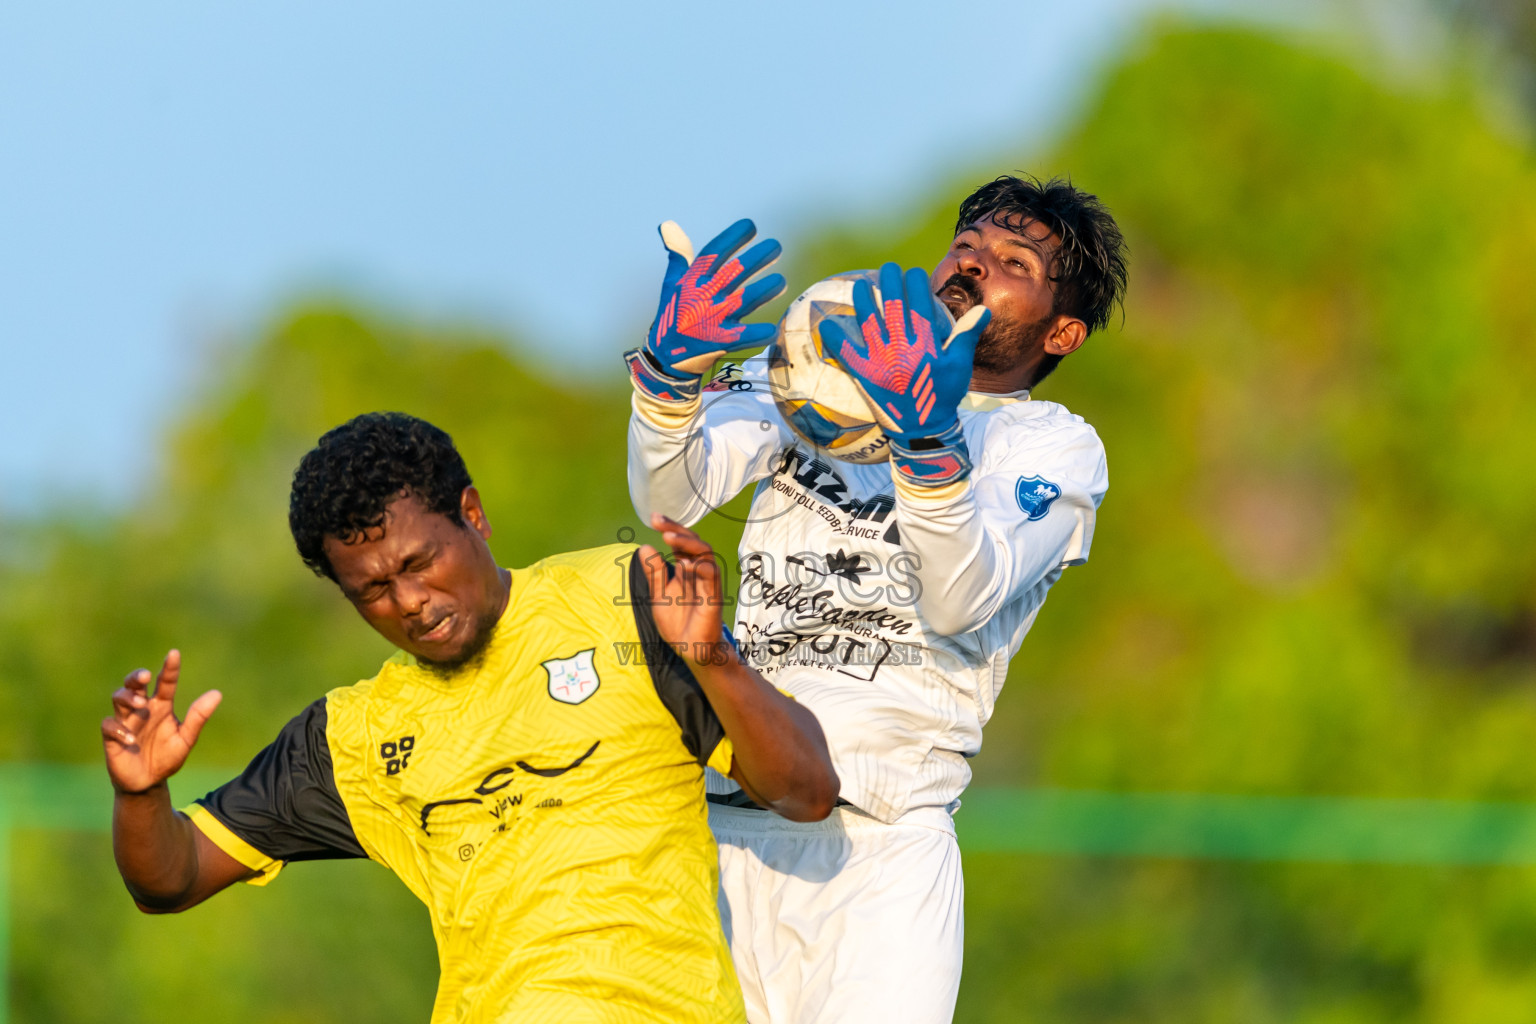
(285, 803)
(675, 685)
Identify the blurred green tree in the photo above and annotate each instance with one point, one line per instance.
(1508, 27)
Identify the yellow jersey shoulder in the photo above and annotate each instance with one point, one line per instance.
(598, 575)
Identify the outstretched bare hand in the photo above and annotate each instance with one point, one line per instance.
(145, 743)
(686, 602)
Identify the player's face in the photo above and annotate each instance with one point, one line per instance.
(1008, 271)
(430, 586)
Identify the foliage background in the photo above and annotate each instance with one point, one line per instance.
(1310, 575)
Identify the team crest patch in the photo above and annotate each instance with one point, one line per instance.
(574, 679)
(1035, 496)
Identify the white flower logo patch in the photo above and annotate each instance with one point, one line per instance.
(574, 679)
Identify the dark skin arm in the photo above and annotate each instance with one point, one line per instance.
(781, 757)
(166, 861)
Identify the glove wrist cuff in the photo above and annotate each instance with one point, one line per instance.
(936, 461)
(657, 384)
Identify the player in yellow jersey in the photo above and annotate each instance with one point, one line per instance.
(530, 764)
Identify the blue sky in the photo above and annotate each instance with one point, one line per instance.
(170, 172)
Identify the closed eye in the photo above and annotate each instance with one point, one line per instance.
(369, 594)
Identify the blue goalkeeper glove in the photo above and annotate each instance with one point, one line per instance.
(914, 368)
(703, 299)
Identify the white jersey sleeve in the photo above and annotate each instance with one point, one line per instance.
(686, 468)
(1026, 511)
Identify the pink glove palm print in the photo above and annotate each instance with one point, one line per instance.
(703, 299)
(913, 367)
(697, 313)
(903, 364)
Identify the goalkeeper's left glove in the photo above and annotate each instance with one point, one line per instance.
(703, 299)
(913, 368)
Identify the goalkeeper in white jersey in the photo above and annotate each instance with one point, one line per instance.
(887, 598)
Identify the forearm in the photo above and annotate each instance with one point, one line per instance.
(960, 572)
(685, 461)
(156, 849)
(663, 463)
(781, 754)
(973, 549)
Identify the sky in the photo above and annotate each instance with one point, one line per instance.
(170, 173)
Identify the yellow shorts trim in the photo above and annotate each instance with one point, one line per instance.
(238, 848)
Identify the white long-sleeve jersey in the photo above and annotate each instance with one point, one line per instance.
(892, 615)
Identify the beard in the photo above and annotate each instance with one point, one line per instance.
(484, 629)
(1004, 343)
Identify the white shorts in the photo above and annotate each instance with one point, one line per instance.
(842, 921)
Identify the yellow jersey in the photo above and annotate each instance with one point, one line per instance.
(545, 801)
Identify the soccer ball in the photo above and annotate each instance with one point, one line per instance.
(816, 397)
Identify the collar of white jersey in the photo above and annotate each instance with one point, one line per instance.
(985, 401)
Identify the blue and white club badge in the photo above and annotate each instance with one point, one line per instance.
(574, 679)
(1035, 495)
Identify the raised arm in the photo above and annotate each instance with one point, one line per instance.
(980, 538)
(691, 450)
(166, 862)
(780, 755)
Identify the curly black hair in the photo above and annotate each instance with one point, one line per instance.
(1088, 270)
(345, 483)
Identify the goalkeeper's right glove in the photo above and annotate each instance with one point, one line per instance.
(702, 299)
(913, 365)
